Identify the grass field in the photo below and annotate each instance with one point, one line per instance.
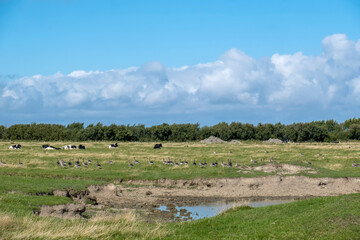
(25, 187)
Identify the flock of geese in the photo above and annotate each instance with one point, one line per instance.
(81, 162)
(167, 161)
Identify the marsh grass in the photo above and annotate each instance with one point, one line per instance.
(124, 226)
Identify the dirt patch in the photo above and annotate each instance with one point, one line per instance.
(273, 141)
(146, 196)
(193, 192)
(280, 169)
(68, 211)
(212, 139)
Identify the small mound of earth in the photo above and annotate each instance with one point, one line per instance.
(212, 139)
(282, 168)
(68, 211)
(273, 141)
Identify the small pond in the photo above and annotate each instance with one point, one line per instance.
(188, 213)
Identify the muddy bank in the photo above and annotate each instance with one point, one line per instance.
(149, 195)
(143, 194)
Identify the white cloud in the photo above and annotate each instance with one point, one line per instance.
(236, 80)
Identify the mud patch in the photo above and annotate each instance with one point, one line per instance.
(68, 211)
(280, 168)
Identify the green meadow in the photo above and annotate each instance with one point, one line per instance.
(27, 186)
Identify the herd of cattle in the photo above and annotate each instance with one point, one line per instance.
(48, 147)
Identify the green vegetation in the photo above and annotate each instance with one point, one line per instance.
(24, 188)
(316, 131)
(319, 218)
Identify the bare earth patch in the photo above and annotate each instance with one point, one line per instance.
(280, 168)
(147, 195)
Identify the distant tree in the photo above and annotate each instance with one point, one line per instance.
(354, 131)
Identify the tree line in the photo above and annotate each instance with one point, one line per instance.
(317, 131)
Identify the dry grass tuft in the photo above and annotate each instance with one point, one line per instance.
(6, 222)
(101, 227)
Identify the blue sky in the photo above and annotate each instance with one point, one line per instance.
(179, 61)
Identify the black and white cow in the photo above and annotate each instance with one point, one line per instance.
(16, 146)
(115, 145)
(81, 146)
(51, 148)
(158, 145)
(45, 146)
(69, 147)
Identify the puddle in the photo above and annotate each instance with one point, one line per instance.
(188, 213)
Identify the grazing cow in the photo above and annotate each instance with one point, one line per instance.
(45, 146)
(51, 148)
(16, 146)
(158, 145)
(81, 146)
(115, 145)
(69, 147)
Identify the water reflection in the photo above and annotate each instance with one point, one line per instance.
(187, 213)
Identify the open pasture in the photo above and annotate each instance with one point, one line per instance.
(328, 159)
(29, 176)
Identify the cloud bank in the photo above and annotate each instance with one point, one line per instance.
(237, 86)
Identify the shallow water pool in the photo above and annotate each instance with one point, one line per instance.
(188, 213)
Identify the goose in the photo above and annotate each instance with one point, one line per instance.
(181, 162)
(236, 165)
(2, 163)
(223, 164)
(186, 163)
(20, 163)
(164, 162)
(176, 164)
(83, 163)
(111, 162)
(57, 162)
(212, 164)
(63, 164)
(230, 152)
(229, 162)
(265, 151)
(252, 160)
(194, 163)
(354, 164)
(150, 162)
(130, 164)
(136, 161)
(272, 159)
(98, 165)
(77, 165)
(89, 161)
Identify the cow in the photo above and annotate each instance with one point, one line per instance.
(69, 147)
(45, 146)
(16, 146)
(81, 146)
(51, 148)
(158, 145)
(115, 145)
